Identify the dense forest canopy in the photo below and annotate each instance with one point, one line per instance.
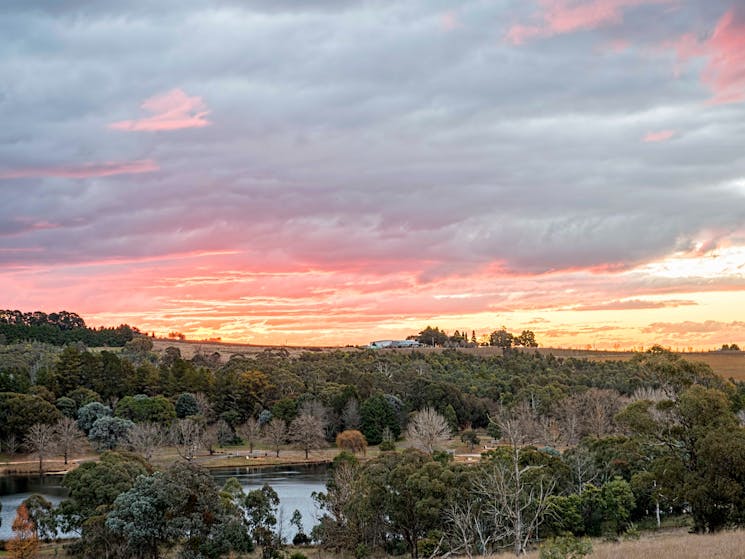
(59, 328)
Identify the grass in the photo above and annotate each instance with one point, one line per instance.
(669, 545)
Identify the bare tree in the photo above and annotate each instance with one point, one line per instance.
(570, 419)
(350, 415)
(39, 440)
(250, 432)
(600, 406)
(10, 444)
(428, 430)
(469, 529)
(582, 465)
(549, 430)
(276, 433)
(186, 435)
(515, 496)
(204, 406)
(306, 431)
(68, 437)
(145, 438)
(216, 434)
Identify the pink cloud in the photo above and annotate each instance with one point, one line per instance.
(567, 16)
(634, 304)
(724, 73)
(87, 170)
(450, 21)
(173, 110)
(659, 136)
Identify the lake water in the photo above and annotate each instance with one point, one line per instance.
(294, 486)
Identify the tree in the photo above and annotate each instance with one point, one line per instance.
(108, 432)
(68, 437)
(350, 415)
(376, 413)
(93, 487)
(501, 338)
(526, 339)
(145, 438)
(432, 337)
(306, 431)
(428, 430)
(186, 405)
(90, 413)
(179, 506)
(24, 544)
(276, 433)
(187, 436)
(410, 492)
(470, 438)
(141, 408)
(40, 441)
(352, 441)
(300, 538)
(617, 504)
(41, 513)
(18, 412)
(692, 435)
(516, 494)
(261, 511)
(250, 431)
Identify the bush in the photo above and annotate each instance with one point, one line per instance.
(386, 446)
(565, 547)
(361, 551)
(298, 555)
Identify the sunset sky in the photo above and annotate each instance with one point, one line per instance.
(338, 171)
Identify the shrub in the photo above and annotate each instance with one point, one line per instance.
(565, 547)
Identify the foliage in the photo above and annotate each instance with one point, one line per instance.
(90, 413)
(97, 484)
(18, 412)
(186, 405)
(108, 433)
(352, 441)
(261, 511)
(179, 506)
(142, 408)
(377, 414)
(59, 328)
(24, 544)
(41, 514)
(565, 547)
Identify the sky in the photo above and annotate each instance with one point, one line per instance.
(331, 172)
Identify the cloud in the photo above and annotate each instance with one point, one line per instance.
(173, 110)
(658, 136)
(450, 21)
(725, 54)
(568, 16)
(87, 170)
(633, 304)
(360, 161)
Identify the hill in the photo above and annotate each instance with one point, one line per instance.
(725, 363)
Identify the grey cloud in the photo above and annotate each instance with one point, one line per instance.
(343, 130)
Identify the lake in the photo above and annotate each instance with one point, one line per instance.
(294, 486)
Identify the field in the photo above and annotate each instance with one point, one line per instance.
(676, 544)
(724, 363)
